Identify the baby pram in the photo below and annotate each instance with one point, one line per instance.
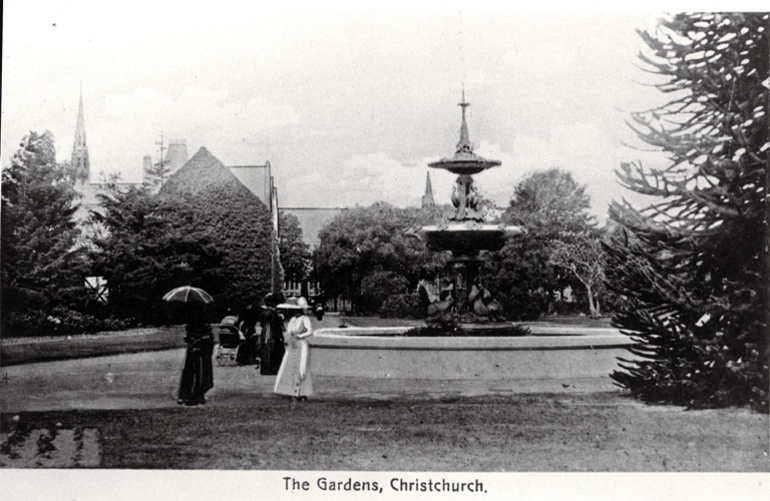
(230, 340)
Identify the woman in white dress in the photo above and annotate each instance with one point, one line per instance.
(294, 378)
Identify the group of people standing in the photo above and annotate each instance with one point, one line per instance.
(281, 351)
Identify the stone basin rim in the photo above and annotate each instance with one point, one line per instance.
(389, 338)
(537, 331)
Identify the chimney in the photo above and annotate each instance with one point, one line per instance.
(147, 163)
(177, 155)
(146, 167)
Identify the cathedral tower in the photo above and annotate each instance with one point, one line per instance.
(81, 167)
(427, 198)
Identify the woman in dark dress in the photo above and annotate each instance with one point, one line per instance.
(249, 350)
(271, 336)
(197, 374)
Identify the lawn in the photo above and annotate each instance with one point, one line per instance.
(16, 351)
(575, 432)
(246, 426)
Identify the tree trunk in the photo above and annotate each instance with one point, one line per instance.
(593, 305)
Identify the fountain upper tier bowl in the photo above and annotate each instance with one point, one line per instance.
(464, 163)
(466, 238)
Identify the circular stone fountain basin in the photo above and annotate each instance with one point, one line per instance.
(550, 353)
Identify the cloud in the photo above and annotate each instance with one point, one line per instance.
(476, 78)
(128, 126)
(369, 178)
(365, 179)
(346, 106)
(583, 149)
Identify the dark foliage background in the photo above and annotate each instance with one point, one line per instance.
(296, 258)
(152, 245)
(551, 206)
(364, 254)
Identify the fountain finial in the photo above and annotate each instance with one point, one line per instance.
(465, 143)
(464, 160)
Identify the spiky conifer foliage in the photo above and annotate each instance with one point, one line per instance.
(694, 266)
(151, 245)
(42, 272)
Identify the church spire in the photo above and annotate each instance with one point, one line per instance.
(427, 198)
(80, 165)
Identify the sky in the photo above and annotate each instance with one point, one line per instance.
(348, 106)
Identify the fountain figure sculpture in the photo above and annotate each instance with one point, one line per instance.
(459, 298)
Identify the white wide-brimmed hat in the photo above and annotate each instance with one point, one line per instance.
(295, 303)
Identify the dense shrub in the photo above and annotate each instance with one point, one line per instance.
(151, 245)
(365, 254)
(402, 306)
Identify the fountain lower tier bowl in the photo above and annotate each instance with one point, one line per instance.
(550, 353)
(466, 238)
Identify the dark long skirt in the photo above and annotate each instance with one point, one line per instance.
(247, 352)
(271, 357)
(197, 375)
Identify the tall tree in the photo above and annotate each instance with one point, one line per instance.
(296, 257)
(152, 244)
(157, 173)
(550, 202)
(694, 266)
(365, 246)
(551, 206)
(41, 270)
(583, 256)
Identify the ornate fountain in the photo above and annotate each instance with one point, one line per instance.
(465, 340)
(458, 297)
